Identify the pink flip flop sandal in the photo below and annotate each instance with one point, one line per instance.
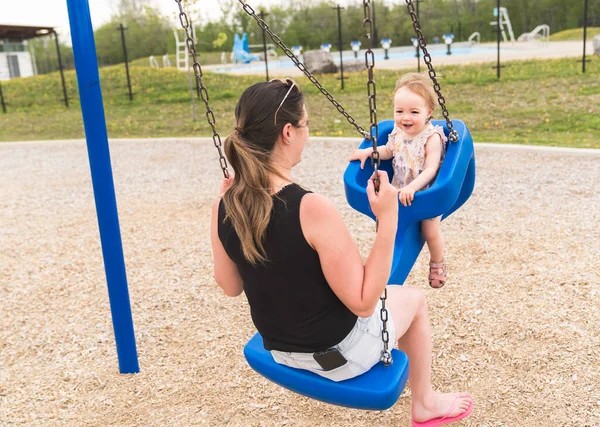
(435, 422)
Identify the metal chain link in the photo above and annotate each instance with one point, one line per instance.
(262, 24)
(453, 137)
(386, 355)
(371, 91)
(210, 115)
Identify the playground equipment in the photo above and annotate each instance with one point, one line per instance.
(241, 50)
(92, 110)
(504, 22)
(448, 39)
(475, 37)
(326, 47)
(182, 59)
(543, 31)
(452, 187)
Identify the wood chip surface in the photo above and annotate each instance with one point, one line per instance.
(516, 325)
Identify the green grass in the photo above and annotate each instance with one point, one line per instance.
(542, 102)
(575, 34)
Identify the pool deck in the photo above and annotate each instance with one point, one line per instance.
(483, 52)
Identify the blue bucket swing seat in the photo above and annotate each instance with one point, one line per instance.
(451, 189)
(379, 388)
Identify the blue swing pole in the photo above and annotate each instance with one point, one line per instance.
(92, 109)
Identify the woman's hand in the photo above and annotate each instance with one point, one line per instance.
(362, 155)
(225, 184)
(384, 202)
(406, 195)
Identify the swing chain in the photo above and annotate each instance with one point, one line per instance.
(262, 24)
(386, 355)
(371, 91)
(453, 137)
(210, 115)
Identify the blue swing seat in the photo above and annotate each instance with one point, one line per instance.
(379, 388)
(451, 189)
(376, 390)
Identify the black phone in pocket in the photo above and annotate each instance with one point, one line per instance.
(330, 359)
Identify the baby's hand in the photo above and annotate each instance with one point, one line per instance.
(406, 195)
(361, 155)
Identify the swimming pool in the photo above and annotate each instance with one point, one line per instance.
(393, 54)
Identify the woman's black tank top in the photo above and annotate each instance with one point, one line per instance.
(291, 303)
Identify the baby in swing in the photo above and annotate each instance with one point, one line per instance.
(417, 149)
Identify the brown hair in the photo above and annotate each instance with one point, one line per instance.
(248, 201)
(419, 83)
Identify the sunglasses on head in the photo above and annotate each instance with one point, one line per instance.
(287, 82)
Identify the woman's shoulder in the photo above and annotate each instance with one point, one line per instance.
(316, 200)
(316, 207)
(318, 216)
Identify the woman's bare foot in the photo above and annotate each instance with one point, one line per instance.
(438, 404)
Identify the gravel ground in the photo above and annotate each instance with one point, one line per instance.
(517, 324)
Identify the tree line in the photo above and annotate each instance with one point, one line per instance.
(311, 23)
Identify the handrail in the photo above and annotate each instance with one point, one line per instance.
(544, 29)
(475, 35)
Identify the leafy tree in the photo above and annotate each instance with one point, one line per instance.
(46, 58)
(148, 33)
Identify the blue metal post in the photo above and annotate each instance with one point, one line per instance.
(92, 109)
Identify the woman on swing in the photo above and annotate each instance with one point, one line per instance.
(311, 296)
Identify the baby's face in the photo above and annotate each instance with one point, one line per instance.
(410, 112)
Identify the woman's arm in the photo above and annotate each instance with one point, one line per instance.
(358, 285)
(225, 271)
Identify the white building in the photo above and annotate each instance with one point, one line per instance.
(16, 57)
(15, 60)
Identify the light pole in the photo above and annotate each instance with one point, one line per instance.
(339, 14)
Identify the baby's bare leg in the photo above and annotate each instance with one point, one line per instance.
(435, 239)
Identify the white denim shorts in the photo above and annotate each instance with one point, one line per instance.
(362, 349)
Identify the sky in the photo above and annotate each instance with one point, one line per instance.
(53, 13)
